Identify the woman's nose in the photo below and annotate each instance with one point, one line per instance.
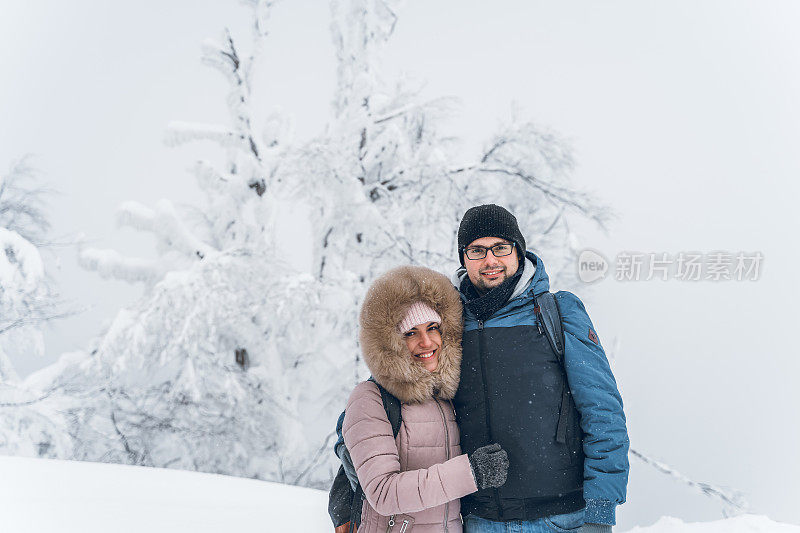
(424, 339)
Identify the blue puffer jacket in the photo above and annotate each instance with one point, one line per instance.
(591, 382)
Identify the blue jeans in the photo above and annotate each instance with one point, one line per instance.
(559, 523)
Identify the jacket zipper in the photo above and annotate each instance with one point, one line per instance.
(447, 455)
(403, 527)
(482, 357)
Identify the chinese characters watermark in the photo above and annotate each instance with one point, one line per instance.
(681, 266)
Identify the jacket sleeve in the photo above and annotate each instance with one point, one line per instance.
(368, 436)
(599, 403)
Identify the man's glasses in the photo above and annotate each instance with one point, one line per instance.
(498, 250)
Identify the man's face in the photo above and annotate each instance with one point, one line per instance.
(489, 272)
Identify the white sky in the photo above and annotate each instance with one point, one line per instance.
(684, 116)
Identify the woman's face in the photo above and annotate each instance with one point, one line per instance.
(425, 342)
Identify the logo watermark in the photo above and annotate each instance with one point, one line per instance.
(681, 266)
(592, 266)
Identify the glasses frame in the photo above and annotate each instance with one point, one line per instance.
(486, 250)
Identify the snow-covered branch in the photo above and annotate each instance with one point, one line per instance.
(27, 299)
(734, 502)
(262, 11)
(179, 133)
(164, 222)
(225, 58)
(110, 264)
(22, 207)
(580, 201)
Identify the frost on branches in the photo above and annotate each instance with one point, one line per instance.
(28, 426)
(234, 362)
(231, 362)
(394, 190)
(26, 299)
(210, 371)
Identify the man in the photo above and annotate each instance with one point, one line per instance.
(562, 425)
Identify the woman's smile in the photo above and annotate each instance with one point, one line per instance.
(424, 342)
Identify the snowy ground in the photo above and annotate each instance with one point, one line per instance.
(42, 496)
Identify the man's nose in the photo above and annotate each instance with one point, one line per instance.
(490, 259)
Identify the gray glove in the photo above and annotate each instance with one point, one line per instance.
(489, 466)
(594, 528)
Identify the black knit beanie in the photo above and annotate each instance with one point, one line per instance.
(489, 220)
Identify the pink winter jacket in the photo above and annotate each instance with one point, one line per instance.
(422, 473)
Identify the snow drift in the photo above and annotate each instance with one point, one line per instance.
(44, 495)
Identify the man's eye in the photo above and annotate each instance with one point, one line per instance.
(502, 248)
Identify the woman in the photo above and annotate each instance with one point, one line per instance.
(411, 340)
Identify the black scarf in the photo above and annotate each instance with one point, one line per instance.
(485, 305)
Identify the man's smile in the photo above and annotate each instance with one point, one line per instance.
(493, 272)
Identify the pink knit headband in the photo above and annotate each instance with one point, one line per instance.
(418, 313)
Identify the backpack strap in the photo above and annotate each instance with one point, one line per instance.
(394, 413)
(392, 407)
(546, 308)
(548, 316)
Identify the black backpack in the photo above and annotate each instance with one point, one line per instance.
(346, 497)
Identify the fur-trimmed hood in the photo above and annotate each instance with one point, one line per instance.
(384, 348)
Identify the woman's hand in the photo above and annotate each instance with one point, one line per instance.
(489, 466)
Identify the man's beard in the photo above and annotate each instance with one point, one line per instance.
(484, 303)
(483, 288)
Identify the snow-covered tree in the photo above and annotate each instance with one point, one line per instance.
(234, 361)
(23, 299)
(394, 190)
(231, 362)
(195, 374)
(27, 301)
